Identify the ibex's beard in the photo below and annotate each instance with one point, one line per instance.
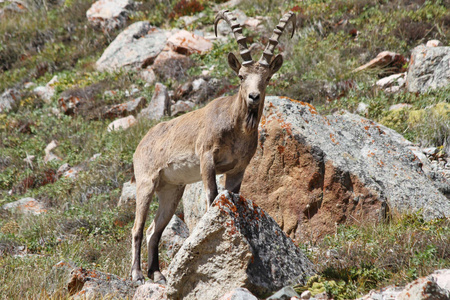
(252, 121)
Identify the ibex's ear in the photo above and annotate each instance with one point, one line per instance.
(234, 63)
(276, 64)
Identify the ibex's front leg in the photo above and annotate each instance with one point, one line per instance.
(233, 182)
(208, 170)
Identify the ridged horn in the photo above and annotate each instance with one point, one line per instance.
(237, 30)
(267, 55)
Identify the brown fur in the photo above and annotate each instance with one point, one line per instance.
(220, 138)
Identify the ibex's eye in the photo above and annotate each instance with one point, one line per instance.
(241, 77)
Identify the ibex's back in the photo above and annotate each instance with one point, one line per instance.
(220, 138)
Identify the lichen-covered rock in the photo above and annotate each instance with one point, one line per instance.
(135, 47)
(159, 106)
(428, 68)
(150, 291)
(26, 206)
(9, 100)
(173, 236)
(311, 171)
(285, 293)
(235, 244)
(109, 14)
(424, 288)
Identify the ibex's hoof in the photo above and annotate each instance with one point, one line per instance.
(158, 278)
(138, 277)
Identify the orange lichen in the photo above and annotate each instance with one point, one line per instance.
(280, 149)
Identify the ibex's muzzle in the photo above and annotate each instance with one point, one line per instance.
(253, 99)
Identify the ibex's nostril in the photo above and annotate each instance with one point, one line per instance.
(254, 96)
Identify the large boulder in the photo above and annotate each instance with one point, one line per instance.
(136, 47)
(235, 244)
(109, 14)
(26, 206)
(188, 43)
(311, 171)
(429, 68)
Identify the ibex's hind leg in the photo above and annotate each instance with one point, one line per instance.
(233, 182)
(169, 196)
(144, 196)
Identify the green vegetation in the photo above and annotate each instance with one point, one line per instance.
(84, 225)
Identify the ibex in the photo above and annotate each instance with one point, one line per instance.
(220, 138)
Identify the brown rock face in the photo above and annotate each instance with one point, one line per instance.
(304, 194)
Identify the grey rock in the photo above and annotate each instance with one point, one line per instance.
(235, 244)
(159, 106)
(26, 206)
(395, 79)
(135, 47)
(195, 203)
(442, 278)
(434, 43)
(174, 235)
(362, 109)
(428, 69)
(128, 195)
(181, 107)
(150, 291)
(148, 75)
(109, 14)
(9, 100)
(285, 293)
(238, 294)
(46, 92)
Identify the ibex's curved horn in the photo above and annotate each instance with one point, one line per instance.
(237, 30)
(273, 41)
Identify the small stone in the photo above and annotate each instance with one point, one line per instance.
(148, 75)
(390, 80)
(362, 109)
(284, 294)
(9, 100)
(128, 195)
(400, 106)
(122, 123)
(198, 84)
(305, 295)
(430, 151)
(159, 106)
(63, 169)
(434, 43)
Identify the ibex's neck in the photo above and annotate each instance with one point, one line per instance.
(247, 119)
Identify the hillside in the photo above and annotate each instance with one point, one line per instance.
(55, 146)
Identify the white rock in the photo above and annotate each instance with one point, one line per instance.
(305, 295)
(390, 80)
(434, 43)
(362, 108)
(128, 193)
(122, 123)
